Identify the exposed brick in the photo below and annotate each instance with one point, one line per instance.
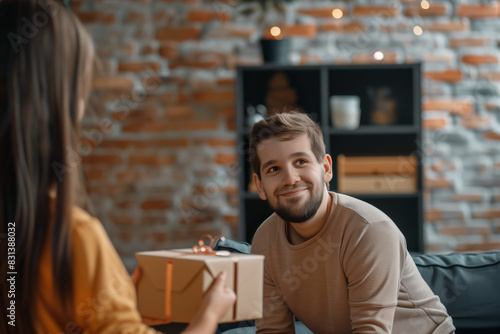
(96, 17)
(480, 247)
(389, 58)
(196, 216)
(434, 215)
(136, 17)
(478, 11)
(459, 42)
(435, 9)
(205, 16)
(149, 49)
(479, 59)
(229, 30)
(437, 183)
(475, 122)
(125, 204)
(139, 66)
(124, 236)
(207, 64)
(231, 220)
(112, 83)
(468, 197)
(492, 213)
(231, 123)
(102, 159)
(460, 230)
(226, 81)
(193, 234)
(145, 143)
(155, 127)
(300, 30)
(341, 27)
(178, 34)
(151, 159)
(491, 135)
(218, 142)
(122, 220)
(375, 10)
(136, 115)
(452, 105)
(95, 174)
(451, 75)
(439, 56)
(227, 111)
(127, 175)
(153, 220)
(110, 190)
(179, 111)
(433, 248)
(441, 165)
(169, 50)
(225, 159)
(156, 204)
(214, 96)
(489, 75)
(447, 26)
(320, 12)
(438, 123)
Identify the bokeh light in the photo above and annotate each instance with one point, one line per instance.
(378, 55)
(337, 13)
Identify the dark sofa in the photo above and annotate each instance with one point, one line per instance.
(468, 284)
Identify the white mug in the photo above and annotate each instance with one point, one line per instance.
(345, 111)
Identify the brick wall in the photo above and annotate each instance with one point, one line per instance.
(159, 150)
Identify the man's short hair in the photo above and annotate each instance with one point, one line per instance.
(285, 126)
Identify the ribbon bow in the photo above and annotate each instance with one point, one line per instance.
(205, 249)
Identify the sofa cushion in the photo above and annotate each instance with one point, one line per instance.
(468, 285)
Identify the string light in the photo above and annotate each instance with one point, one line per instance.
(337, 13)
(417, 30)
(425, 4)
(275, 31)
(378, 55)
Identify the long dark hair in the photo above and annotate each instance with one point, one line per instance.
(45, 58)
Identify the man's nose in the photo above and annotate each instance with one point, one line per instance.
(290, 176)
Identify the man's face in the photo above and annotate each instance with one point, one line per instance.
(292, 180)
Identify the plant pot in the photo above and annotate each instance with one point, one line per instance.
(275, 50)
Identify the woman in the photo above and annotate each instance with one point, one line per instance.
(67, 276)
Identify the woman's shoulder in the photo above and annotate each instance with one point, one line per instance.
(87, 232)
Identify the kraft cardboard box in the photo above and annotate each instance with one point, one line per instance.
(173, 283)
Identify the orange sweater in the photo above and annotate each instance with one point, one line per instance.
(104, 296)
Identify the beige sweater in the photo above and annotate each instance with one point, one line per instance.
(354, 276)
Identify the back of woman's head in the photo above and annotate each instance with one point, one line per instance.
(45, 71)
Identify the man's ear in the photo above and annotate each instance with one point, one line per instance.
(327, 168)
(260, 189)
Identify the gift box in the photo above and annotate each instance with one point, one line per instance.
(173, 283)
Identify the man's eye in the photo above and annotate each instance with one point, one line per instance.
(272, 169)
(300, 162)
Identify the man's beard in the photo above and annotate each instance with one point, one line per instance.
(293, 214)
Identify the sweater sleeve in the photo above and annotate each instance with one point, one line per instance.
(104, 294)
(373, 262)
(277, 317)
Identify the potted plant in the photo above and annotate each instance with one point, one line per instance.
(270, 15)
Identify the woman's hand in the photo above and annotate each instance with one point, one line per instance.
(217, 301)
(136, 276)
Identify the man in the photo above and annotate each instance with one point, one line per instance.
(337, 263)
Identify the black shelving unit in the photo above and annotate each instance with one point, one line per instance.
(314, 84)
